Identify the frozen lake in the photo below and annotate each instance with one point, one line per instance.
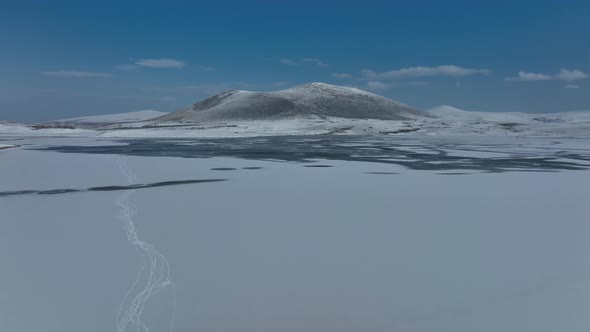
(318, 233)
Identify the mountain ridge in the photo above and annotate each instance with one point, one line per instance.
(312, 99)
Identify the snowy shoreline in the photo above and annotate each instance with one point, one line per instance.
(443, 121)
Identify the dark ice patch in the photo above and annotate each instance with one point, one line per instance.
(394, 150)
(152, 185)
(58, 191)
(382, 173)
(107, 188)
(17, 192)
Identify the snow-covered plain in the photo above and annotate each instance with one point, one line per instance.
(412, 232)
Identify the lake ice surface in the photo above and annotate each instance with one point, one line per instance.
(390, 234)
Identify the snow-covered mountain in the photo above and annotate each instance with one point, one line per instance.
(311, 109)
(313, 99)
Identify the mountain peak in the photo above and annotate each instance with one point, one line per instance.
(320, 86)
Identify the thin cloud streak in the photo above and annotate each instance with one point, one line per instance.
(317, 62)
(524, 76)
(160, 63)
(310, 61)
(75, 74)
(563, 75)
(287, 62)
(341, 75)
(421, 71)
(378, 85)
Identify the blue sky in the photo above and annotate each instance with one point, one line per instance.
(71, 58)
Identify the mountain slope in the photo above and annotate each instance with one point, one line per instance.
(314, 99)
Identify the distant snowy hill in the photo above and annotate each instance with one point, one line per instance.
(88, 125)
(450, 112)
(116, 118)
(15, 129)
(314, 99)
(104, 121)
(451, 120)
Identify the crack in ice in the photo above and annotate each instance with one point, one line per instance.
(154, 275)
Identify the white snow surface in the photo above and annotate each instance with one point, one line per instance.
(7, 146)
(290, 248)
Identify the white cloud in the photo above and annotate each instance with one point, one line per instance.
(368, 73)
(563, 75)
(316, 62)
(312, 61)
(288, 62)
(376, 85)
(523, 76)
(160, 63)
(420, 71)
(379, 85)
(341, 75)
(571, 86)
(74, 73)
(571, 75)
